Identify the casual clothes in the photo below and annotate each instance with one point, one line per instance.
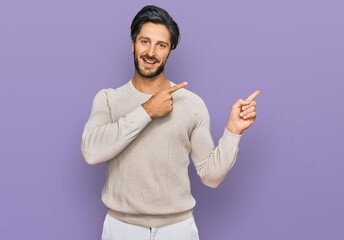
(117, 230)
(147, 182)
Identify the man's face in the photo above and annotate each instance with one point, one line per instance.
(151, 49)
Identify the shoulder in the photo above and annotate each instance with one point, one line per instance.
(113, 94)
(194, 102)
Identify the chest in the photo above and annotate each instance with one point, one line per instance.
(175, 126)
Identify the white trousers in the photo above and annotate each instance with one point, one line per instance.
(114, 229)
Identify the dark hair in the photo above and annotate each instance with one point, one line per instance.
(157, 15)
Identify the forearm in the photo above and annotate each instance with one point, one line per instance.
(102, 143)
(217, 164)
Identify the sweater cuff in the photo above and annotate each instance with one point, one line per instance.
(140, 117)
(232, 138)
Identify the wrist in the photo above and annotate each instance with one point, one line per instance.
(233, 130)
(147, 108)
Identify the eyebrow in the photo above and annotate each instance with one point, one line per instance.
(150, 39)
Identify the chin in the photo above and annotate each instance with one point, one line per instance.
(150, 71)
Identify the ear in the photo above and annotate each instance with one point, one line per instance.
(132, 46)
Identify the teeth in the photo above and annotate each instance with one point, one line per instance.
(149, 61)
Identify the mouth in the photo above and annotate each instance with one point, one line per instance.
(149, 62)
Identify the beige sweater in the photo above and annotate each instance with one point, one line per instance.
(147, 181)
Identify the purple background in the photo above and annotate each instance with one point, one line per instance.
(288, 180)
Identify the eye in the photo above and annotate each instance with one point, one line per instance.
(144, 42)
(162, 45)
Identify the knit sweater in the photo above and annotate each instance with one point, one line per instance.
(147, 181)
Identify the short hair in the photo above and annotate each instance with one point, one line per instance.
(157, 15)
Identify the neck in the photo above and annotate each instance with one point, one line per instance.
(150, 85)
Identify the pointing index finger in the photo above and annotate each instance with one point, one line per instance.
(253, 95)
(176, 87)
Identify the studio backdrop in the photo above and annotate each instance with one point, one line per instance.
(287, 182)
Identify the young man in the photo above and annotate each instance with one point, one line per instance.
(145, 131)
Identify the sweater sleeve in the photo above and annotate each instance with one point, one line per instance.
(212, 163)
(103, 139)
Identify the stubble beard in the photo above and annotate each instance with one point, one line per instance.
(159, 70)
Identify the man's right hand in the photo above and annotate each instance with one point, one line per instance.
(161, 103)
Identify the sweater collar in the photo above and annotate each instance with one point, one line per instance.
(133, 89)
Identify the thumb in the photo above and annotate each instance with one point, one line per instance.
(240, 103)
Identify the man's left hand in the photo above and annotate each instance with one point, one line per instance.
(243, 114)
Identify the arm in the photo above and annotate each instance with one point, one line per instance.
(212, 163)
(103, 139)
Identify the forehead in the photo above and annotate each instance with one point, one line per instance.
(156, 32)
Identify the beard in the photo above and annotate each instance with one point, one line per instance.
(141, 72)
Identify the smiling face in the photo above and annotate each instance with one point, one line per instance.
(151, 49)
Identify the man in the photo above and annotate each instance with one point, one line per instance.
(145, 131)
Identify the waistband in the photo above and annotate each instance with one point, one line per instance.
(151, 220)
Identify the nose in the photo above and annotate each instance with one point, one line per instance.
(151, 51)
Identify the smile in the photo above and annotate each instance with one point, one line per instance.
(149, 61)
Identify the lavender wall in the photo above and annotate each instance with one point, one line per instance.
(287, 182)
